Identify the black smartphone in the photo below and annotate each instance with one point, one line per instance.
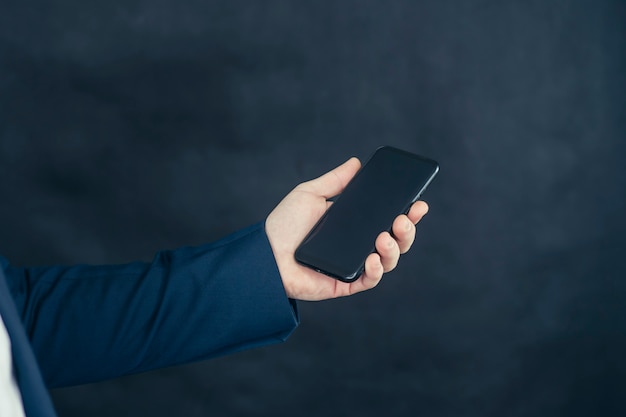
(386, 186)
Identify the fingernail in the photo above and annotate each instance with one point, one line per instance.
(407, 225)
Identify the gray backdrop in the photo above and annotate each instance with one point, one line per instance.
(127, 127)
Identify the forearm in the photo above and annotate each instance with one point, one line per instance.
(89, 323)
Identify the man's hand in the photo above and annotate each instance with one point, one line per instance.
(288, 224)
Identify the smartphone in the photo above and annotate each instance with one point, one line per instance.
(385, 187)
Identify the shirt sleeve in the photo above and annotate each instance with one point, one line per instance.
(88, 323)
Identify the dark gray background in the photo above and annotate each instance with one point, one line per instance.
(131, 126)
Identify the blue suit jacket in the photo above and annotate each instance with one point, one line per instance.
(79, 324)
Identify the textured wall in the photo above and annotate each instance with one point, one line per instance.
(132, 126)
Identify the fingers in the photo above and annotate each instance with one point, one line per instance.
(333, 182)
(404, 232)
(389, 251)
(417, 211)
(403, 227)
(388, 248)
(372, 275)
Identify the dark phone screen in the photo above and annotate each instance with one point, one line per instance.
(384, 188)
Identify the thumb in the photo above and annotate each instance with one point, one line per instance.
(333, 182)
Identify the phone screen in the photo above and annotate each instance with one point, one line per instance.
(385, 187)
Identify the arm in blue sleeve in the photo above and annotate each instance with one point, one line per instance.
(88, 323)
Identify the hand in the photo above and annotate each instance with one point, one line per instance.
(288, 224)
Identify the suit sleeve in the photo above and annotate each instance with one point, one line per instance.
(88, 323)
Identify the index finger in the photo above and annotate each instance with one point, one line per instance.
(417, 211)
